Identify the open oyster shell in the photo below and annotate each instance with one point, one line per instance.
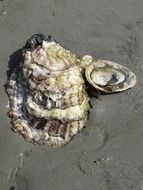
(107, 76)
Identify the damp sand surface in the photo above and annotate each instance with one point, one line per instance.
(108, 154)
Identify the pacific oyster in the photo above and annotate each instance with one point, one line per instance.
(47, 92)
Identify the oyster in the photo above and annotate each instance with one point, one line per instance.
(107, 76)
(47, 93)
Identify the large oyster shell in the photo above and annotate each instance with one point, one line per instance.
(48, 101)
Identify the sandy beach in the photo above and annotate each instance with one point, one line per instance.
(108, 153)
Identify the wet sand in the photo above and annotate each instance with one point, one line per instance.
(108, 154)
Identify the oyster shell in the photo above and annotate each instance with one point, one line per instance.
(48, 101)
(47, 94)
(107, 76)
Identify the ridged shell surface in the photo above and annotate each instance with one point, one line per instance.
(48, 101)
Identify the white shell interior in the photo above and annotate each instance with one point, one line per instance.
(108, 76)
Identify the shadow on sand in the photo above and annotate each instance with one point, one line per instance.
(14, 62)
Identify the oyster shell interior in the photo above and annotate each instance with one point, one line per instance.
(107, 76)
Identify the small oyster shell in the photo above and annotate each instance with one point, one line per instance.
(107, 76)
